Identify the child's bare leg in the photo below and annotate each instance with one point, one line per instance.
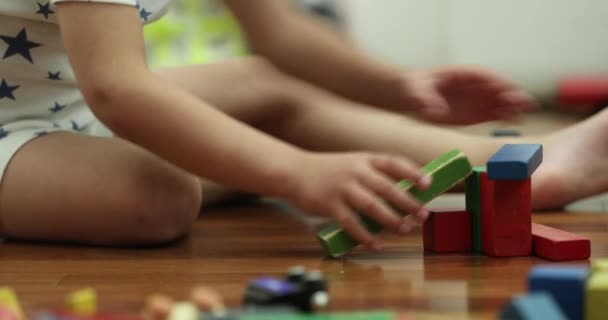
(257, 93)
(76, 188)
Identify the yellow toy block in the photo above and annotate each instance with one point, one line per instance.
(596, 296)
(83, 302)
(599, 265)
(8, 300)
(184, 311)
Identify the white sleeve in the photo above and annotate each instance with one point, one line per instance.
(125, 2)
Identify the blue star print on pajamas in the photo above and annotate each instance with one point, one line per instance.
(40, 133)
(54, 76)
(75, 126)
(19, 45)
(144, 14)
(6, 91)
(58, 107)
(44, 9)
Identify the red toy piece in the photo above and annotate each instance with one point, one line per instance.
(506, 231)
(558, 245)
(583, 94)
(6, 314)
(486, 197)
(448, 231)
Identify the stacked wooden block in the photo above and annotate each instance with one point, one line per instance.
(497, 220)
(568, 292)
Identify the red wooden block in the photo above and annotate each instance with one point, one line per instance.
(558, 245)
(509, 232)
(582, 93)
(486, 198)
(6, 314)
(448, 231)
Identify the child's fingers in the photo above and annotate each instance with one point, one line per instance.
(370, 205)
(207, 299)
(158, 307)
(346, 218)
(401, 168)
(387, 190)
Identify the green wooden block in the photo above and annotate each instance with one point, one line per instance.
(368, 315)
(446, 171)
(473, 204)
(596, 296)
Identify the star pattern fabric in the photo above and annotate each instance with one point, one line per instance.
(6, 91)
(45, 9)
(19, 44)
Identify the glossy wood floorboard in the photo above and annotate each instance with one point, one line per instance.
(227, 247)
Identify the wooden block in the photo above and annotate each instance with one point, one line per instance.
(82, 302)
(6, 314)
(599, 265)
(361, 315)
(486, 198)
(506, 221)
(596, 296)
(566, 284)
(448, 231)
(473, 204)
(515, 161)
(9, 301)
(184, 311)
(446, 171)
(533, 306)
(559, 245)
(505, 133)
(582, 93)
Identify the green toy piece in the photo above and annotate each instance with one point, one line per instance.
(371, 315)
(446, 171)
(473, 205)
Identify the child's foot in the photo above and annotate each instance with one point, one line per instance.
(575, 164)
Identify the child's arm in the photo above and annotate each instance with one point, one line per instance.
(305, 47)
(105, 46)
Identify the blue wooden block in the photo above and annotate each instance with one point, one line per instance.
(533, 306)
(566, 284)
(515, 161)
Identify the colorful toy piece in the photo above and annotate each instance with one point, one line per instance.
(184, 311)
(475, 198)
(596, 296)
(565, 284)
(448, 231)
(446, 171)
(6, 314)
(583, 93)
(599, 265)
(306, 291)
(515, 161)
(9, 302)
(506, 218)
(558, 245)
(534, 306)
(82, 302)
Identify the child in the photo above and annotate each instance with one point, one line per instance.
(298, 128)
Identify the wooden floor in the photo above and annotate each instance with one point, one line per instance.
(227, 247)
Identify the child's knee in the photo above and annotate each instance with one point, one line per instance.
(165, 205)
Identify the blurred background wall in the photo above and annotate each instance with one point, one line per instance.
(533, 41)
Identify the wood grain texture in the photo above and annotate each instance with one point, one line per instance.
(228, 247)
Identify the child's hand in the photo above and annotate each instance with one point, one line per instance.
(338, 184)
(463, 95)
